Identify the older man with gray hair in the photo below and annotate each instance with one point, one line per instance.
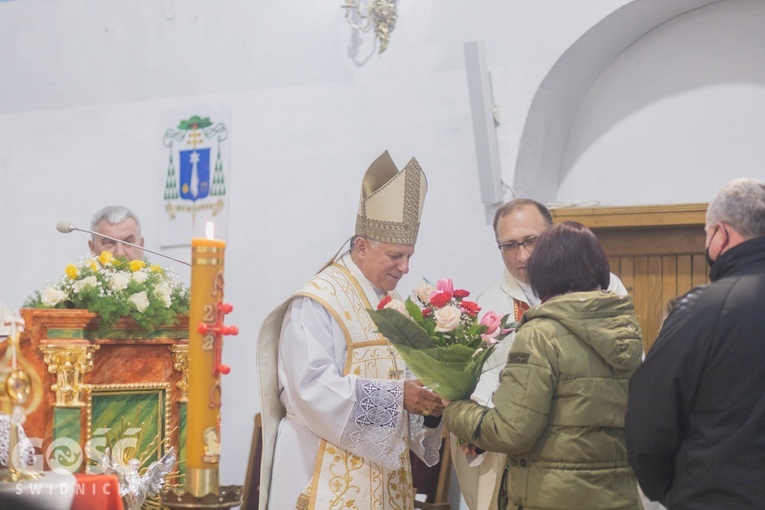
(696, 411)
(339, 411)
(118, 222)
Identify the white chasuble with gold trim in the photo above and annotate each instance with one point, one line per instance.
(341, 384)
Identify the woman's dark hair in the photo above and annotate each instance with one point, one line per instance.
(567, 258)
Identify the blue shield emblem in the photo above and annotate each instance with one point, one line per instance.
(195, 173)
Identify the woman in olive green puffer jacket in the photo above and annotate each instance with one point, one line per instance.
(559, 409)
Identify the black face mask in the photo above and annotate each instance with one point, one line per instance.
(709, 260)
(706, 251)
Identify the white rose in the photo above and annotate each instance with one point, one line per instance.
(423, 291)
(447, 318)
(85, 283)
(119, 281)
(140, 276)
(52, 296)
(399, 306)
(162, 289)
(140, 300)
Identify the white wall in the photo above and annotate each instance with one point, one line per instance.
(675, 116)
(83, 85)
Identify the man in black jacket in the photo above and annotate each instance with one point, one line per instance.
(696, 412)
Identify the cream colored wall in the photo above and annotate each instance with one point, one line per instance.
(676, 115)
(83, 85)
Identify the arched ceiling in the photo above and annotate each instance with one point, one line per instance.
(557, 101)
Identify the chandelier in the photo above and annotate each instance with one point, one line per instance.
(377, 14)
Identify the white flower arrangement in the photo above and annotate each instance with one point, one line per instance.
(114, 288)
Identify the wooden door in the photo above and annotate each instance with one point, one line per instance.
(657, 251)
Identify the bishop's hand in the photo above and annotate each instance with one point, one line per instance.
(420, 400)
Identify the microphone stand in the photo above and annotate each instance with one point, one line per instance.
(65, 228)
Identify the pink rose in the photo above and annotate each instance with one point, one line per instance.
(445, 285)
(492, 321)
(491, 339)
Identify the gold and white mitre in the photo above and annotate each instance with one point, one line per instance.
(391, 201)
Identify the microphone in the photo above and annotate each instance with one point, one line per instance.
(65, 227)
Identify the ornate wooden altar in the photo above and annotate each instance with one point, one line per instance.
(102, 388)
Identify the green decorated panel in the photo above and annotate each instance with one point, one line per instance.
(65, 333)
(182, 439)
(135, 333)
(130, 420)
(66, 423)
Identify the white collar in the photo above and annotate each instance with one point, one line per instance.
(517, 289)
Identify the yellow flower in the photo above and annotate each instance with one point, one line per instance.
(92, 265)
(71, 271)
(136, 265)
(105, 257)
(156, 268)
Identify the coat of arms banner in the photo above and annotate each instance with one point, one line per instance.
(196, 173)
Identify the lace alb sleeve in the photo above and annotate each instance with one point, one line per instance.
(424, 441)
(26, 452)
(377, 426)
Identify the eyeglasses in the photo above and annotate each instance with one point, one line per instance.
(512, 246)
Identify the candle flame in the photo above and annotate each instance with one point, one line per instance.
(210, 230)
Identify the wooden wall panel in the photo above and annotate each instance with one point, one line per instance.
(614, 263)
(640, 293)
(627, 273)
(655, 291)
(657, 251)
(669, 278)
(684, 274)
(700, 274)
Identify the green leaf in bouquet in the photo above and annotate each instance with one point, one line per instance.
(481, 356)
(507, 324)
(414, 310)
(475, 343)
(400, 330)
(476, 330)
(430, 326)
(451, 371)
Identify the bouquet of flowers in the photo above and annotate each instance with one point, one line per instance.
(438, 334)
(114, 287)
